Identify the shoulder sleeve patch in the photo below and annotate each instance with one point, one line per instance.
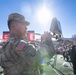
(21, 45)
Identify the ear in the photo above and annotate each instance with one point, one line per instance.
(13, 26)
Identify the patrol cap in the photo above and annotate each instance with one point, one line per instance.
(17, 17)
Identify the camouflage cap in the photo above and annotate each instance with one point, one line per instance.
(18, 17)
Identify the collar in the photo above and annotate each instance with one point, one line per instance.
(16, 36)
(13, 35)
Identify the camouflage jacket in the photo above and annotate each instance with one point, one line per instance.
(47, 50)
(17, 57)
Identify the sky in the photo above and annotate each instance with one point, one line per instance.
(40, 14)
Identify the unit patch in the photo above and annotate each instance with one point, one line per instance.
(21, 45)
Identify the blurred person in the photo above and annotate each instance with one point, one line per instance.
(47, 45)
(18, 57)
(47, 49)
(73, 55)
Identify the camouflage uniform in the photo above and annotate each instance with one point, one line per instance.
(19, 58)
(47, 51)
(47, 48)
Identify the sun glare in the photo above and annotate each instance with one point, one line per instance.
(43, 15)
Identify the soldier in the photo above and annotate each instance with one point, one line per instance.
(46, 49)
(47, 45)
(17, 56)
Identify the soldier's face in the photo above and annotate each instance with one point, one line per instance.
(21, 29)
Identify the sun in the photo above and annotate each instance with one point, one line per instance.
(43, 15)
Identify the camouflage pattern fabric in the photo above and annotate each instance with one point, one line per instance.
(47, 50)
(19, 58)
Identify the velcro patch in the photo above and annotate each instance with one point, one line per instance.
(21, 45)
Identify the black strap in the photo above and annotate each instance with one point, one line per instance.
(57, 69)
